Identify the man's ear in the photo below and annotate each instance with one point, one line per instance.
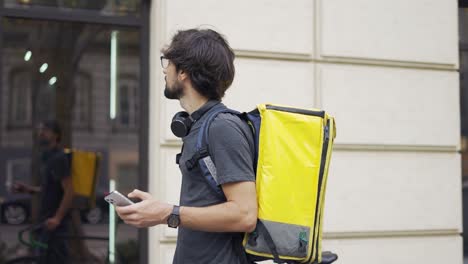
(182, 75)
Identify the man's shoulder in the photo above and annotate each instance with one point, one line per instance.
(58, 154)
(226, 121)
(230, 125)
(230, 132)
(59, 158)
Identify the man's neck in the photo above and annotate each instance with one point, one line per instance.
(192, 103)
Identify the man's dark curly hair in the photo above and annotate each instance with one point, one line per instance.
(54, 126)
(206, 57)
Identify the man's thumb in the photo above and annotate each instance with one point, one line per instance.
(139, 194)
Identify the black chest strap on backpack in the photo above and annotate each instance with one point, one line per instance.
(199, 154)
(201, 158)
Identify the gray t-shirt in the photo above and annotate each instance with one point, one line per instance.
(231, 147)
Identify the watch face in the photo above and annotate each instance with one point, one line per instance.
(173, 221)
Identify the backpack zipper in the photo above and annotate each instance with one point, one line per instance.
(296, 110)
(323, 162)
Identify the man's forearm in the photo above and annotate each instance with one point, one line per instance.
(65, 205)
(35, 189)
(225, 217)
(238, 214)
(66, 202)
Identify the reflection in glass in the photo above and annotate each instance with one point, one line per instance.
(113, 73)
(463, 38)
(105, 7)
(56, 70)
(20, 103)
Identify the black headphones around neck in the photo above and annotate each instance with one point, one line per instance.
(182, 121)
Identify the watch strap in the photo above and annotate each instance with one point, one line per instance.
(174, 218)
(176, 210)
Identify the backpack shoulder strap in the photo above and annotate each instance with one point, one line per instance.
(202, 140)
(202, 157)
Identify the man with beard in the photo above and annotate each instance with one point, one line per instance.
(56, 192)
(199, 68)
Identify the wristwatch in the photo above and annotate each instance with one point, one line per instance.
(174, 219)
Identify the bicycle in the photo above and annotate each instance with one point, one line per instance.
(40, 249)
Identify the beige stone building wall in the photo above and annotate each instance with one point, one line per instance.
(386, 69)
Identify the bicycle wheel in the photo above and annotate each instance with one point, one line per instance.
(24, 260)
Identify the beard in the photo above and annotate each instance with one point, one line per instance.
(174, 92)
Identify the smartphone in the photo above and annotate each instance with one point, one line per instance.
(116, 198)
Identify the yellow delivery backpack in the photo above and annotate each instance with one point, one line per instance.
(293, 148)
(84, 172)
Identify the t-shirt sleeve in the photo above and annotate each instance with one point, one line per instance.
(230, 150)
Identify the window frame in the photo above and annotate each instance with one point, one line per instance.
(86, 126)
(94, 17)
(117, 125)
(11, 123)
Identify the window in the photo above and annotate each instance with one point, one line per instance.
(463, 27)
(21, 105)
(82, 111)
(105, 7)
(20, 98)
(18, 170)
(127, 113)
(57, 59)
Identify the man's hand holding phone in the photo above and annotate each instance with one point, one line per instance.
(148, 212)
(117, 199)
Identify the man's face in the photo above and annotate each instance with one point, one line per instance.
(174, 87)
(45, 136)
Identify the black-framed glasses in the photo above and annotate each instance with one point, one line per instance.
(164, 62)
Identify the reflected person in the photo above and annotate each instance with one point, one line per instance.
(56, 192)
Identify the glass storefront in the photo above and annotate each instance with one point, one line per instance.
(463, 38)
(104, 7)
(89, 77)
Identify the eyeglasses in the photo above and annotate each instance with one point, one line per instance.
(164, 62)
